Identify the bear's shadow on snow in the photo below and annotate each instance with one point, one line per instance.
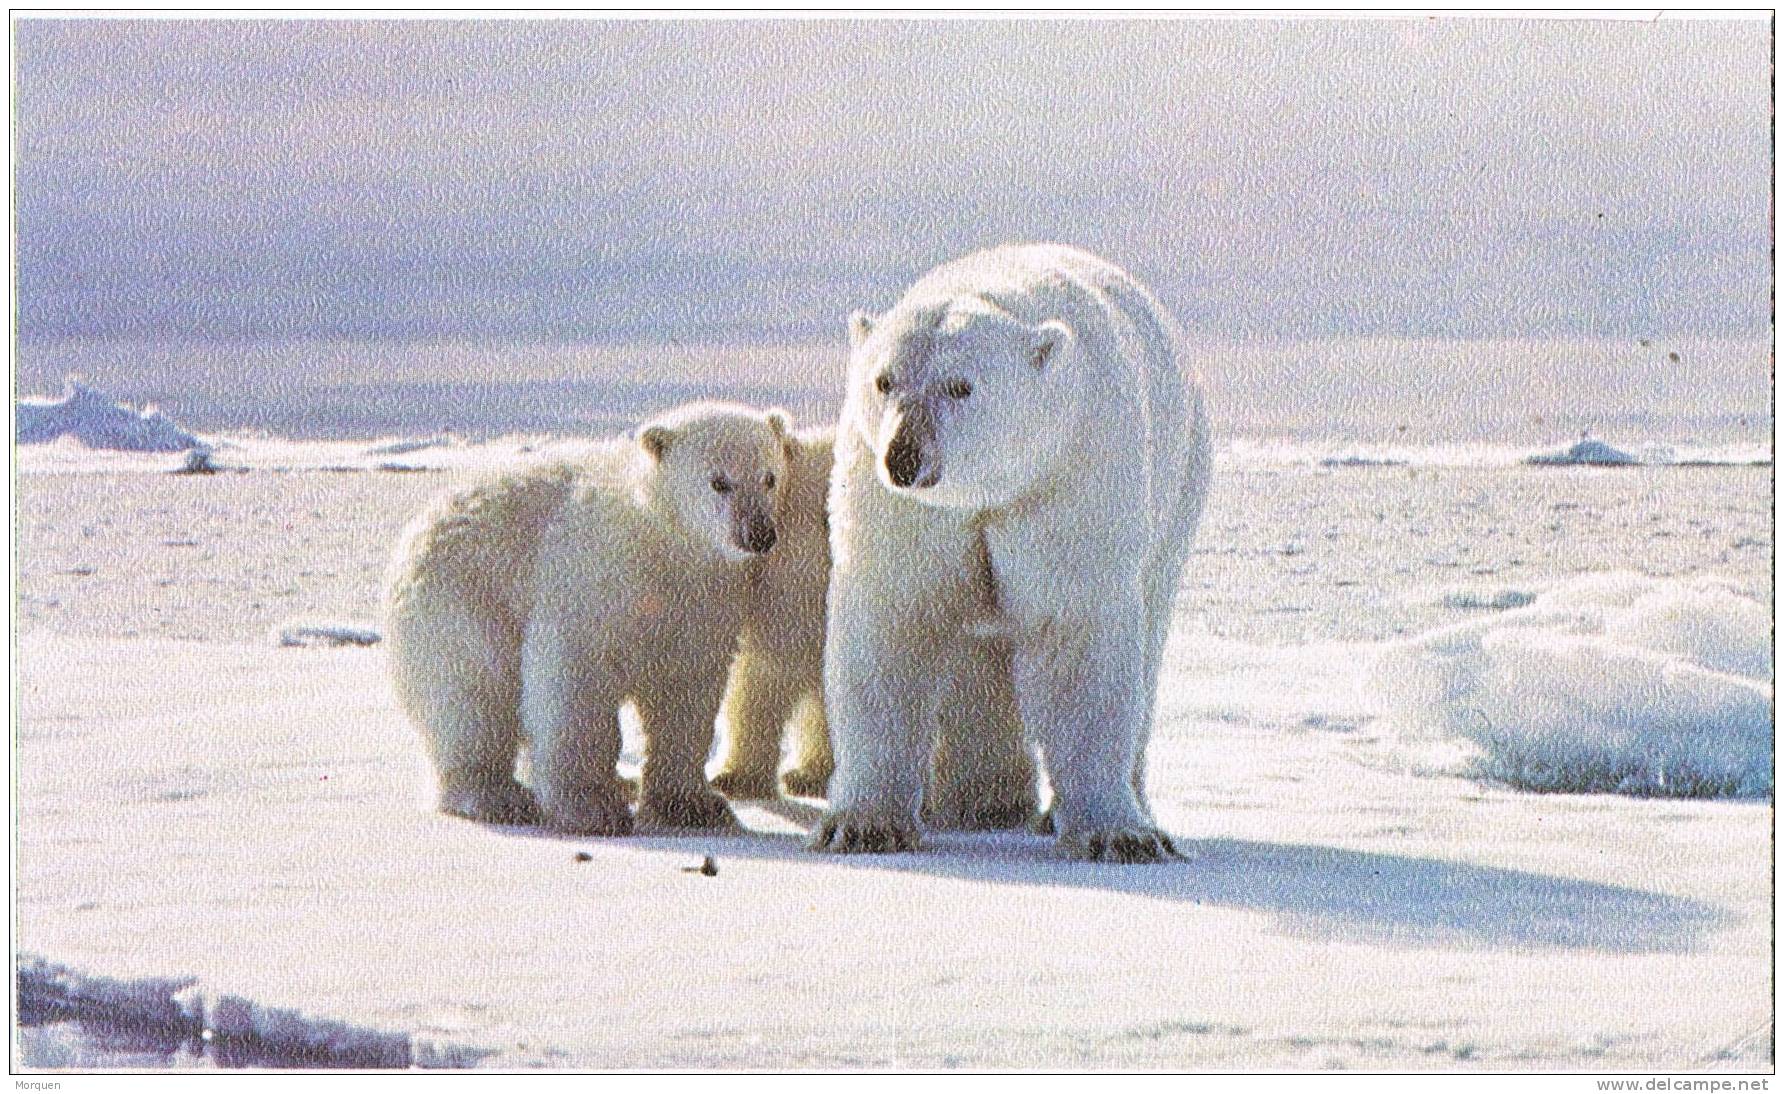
(1316, 892)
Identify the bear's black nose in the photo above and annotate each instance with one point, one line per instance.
(903, 461)
(761, 537)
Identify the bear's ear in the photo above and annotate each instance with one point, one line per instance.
(1048, 339)
(655, 439)
(780, 421)
(860, 326)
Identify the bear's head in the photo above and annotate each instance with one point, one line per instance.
(718, 470)
(965, 405)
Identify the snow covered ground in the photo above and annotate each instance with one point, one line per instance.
(263, 852)
(214, 825)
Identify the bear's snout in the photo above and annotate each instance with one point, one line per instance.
(759, 537)
(903, 459)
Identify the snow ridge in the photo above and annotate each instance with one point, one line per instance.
(182, 1005)
(1610, 682)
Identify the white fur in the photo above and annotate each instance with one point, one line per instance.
(982, 776)
(1050, 513)
(529, 608)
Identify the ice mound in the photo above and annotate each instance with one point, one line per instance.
(1587, 452)
(321, 632)
(97, 420)
(402, 446)
(1605, 683)
(1487, 599)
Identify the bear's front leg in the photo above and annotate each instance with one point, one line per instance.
(1080, 682)
(570, 714)
(677, 711)
(878, 691)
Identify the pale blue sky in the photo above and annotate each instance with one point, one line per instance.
(720, 180)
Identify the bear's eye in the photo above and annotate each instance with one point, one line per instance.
(957, 389)
(768, 480)
(721, 485)
(883, 383)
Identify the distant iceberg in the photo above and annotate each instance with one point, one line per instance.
(1356, 460)
(97, 420)
(1586, 452)
(402, 446)
(1353, 455)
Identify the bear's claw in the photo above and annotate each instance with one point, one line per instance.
(690, 808)
(1121, 845)
(850, 833)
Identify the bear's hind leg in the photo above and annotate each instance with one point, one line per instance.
(755, 709)
(983, 775)
(459, 681)
(574, 778)
(1161, 597)
(476, 767)
(499, 801)
(1081, 690)
(571, 717)
(1159, 627)
(813, 762)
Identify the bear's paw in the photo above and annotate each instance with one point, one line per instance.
(745, 785)
(863, 831)
(689, 807)
(599, 813)
(1124, 845)
(808, 782)
(503, 802)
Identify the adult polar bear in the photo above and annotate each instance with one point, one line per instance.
(1022, 458)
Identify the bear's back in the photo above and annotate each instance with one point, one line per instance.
(481, 538)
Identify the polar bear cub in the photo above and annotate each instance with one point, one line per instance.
(777, 679)
(526, 610)
(1022, 460)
